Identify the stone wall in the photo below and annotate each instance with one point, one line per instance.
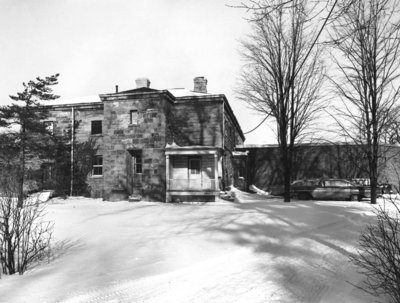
(161, 119)
(149, 136)
(232, 138)
(61, 118)
(197, 122)
(317, 161)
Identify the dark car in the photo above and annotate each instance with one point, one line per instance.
(327, 189)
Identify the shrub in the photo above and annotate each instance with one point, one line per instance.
(24, 233)
(378, 256)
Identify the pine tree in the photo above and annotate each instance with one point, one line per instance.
(27, 135)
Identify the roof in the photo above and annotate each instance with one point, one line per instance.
(76, 100)
(184, 92)
(138, 90)
(310, 144)
(173, 145)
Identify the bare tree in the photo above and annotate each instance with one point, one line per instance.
(366, 38)
(24, 233)
(392, 132)
(281, 79)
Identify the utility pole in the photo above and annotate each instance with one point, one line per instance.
(72, 149)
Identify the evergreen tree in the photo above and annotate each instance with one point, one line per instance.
(27, 135)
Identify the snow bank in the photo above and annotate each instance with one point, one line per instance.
(42, 196)
(256, 190)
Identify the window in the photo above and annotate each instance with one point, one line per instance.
(242, 170)
(49, 126)
(337, 183)
(137, 161)
(97, 166)
(194, 166)
(137, 164)
(97, 127)
(47, 174)
(134, 117)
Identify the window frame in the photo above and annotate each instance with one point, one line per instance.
(137, 161)
(97, 165)
(132, 121)
(137, 165)
(96, 130)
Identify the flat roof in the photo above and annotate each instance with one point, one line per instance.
(76, 100)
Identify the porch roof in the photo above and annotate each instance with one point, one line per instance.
(173, 149)
(240, 153)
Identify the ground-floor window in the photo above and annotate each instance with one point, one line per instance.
(242, 170)
(97, 166)
(47, 175)
(137, 161)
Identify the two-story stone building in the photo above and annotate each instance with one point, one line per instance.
(162, 145)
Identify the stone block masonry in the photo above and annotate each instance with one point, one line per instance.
(126, 142)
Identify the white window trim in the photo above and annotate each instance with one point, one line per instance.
(96, 166)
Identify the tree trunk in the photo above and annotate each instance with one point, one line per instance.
(21, 178)
(286, 165)
(374, 175)
(286, 195)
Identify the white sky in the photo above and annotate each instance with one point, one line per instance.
(97, 44)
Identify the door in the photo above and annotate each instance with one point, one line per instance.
(194, 171)
(134, 171)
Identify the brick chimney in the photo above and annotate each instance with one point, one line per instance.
(200, 85)
(142, 82)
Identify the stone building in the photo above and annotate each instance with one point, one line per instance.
(161, 145)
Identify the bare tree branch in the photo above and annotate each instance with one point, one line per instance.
(281, 79)
(367, 42)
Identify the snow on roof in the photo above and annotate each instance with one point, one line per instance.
(184, 92)
(76, 100)
(176, 92)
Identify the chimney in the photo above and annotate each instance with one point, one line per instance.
(142, 82)
(116, 89)
(200, 85)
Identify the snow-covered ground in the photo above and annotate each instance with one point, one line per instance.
(256, 249)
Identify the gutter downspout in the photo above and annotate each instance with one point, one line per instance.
(72, 149)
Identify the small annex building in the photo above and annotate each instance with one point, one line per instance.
(161, 145)
(259, 165)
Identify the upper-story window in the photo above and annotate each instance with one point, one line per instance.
(134, 117)
(97, 128)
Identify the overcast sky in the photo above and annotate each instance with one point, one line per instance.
(97, 44)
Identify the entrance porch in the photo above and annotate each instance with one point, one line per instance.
(192, 173)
